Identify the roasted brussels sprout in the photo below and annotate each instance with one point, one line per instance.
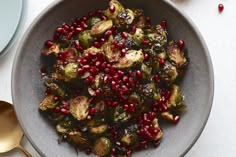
(130, 58)
(98, 129)
(149, 90)
(138, 36)
(48, 103)
(61, 129)
(176, 54)
(86, 39)
(156, 125)
(169, 72)
(111, 52)
(71, 71)
(92, 21)
(79, 107)
(120, 115)
(100, 27)
(102, 147)
(126, 17)
(176, 98)
(54, 49)
(146, 70)
(56, 89)
(118, 9)
(78, 139)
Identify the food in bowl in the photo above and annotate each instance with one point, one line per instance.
(111, 76)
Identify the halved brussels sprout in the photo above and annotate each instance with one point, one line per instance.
(130, 58)
(70, 71)
(167, 116)
(48, 103)
(54, 49)
(92, 21)
(146, 70)
(129, 139)
(118, 9)
(120, 115)
(176, 98)
(61, 129)
(169, 72)
(149, 90)
(126, 17)
(86, 39)
(112, 53)
(102, 147)
(100, 27)
(138, 36)
(98, 129)
(79, 107)
(176, 54)
(78, 139)
(92, 49)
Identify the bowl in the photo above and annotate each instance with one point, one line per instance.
(28, 89)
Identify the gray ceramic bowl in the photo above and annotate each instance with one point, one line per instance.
(28, 89)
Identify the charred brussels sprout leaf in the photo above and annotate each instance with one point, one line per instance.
(130, 58)
(71, 71)
(169, 72)
(92, 21)
(79, 107)
(86, 39)
(77, 139)
(47, 103)
(138, 36)
(100, 27)
(146, 70)
(102, 146)
(54, 49)
(56, 89)
(61, 129)
(176, 98)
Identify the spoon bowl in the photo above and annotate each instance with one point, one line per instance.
(10, 132)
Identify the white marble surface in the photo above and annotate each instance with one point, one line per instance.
(219, 136)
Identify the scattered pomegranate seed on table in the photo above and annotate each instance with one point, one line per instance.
(220, 7)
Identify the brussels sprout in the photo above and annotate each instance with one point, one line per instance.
(126, 17)
(99, 106)
(149, 90)
(141, 22)
(92, 21)
(176, 98)
(111, 52)
(129, 139)
(138, 36)
(54, 49)
(162, 54)
(70, 54)
(48, 103)
(130, 58)
(120, 115)
(102, 146)
(70, 71)
(92, 49)
(167, 116)
(77, 138)
(156, 125)
(79, 107)
(176, 54)
(169, 72)
(57, 90)
(118, 9)
(146, 70)
(86, 39)
(157, 37)
(98, 129)
(100, 27)
(61, 129)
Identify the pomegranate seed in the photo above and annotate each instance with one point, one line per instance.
(78, 30)
(92, 111)
(163, 24)
(181, 43)
(91, 79)
(69, 36)
(100, 56)
(56, 98)
(98, 64)
(124, 35)
(157, 78)
(176, 119)
(57, 110)
(148, 19)
(121, 45)
(139, 74)
(88, 150)
(125, 79)
(113, 29)
(123, 51)
(56, 36)
(105, 80)
(121, 73)
(104, 64)
(75, 24)
(115, 103)
(66, 107)
(64, 31)
(83, 24)
(160, 101)
(151, 115)
(112, 8)
(126, 106)
(86, 67)
(47, 92)
(146, 57)
(72, 28)
(133, 30)
(114, 152)
(76, 44)
(103, 17)
(97, 44)
(131, 81)
(65, 26)
(64, 111)
(131, 108)
(108, 102)
(156, 143)
(129, 153)
(220, 7)
(49, 43)
(59, 30)
(161, 61)
(91, 14)
(98, 93)
(148, 26)
(80, 70)
(145, 42)
(84, 18)
(99, 12)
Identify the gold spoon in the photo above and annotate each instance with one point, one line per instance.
(10, 130)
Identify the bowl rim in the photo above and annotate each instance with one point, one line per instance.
(174, 7)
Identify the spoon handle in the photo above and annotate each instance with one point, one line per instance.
(27, 154)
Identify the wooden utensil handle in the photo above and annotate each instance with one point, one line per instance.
(27, 154)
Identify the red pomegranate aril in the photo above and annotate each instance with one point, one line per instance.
(97, 44)
(220, 7)
(156, 143)
(93, 70)
(84, 18)
(59, 30)
(116, 76)
(121, 73)
(148, 26)
(123, 51)
(91, 14)
(64, 111)
(145, 42)
(112, 8)
(113, 29)
(103, 17)
(163, 24)
(114, 152)
(47, 92)
(148, 20)
(98, 93)
(131, 108)
(104, 64)
(66, 107)
(65, 26)
(64, 31)
(83, 24)
(102, 40)
(161, 61)
(129, 153)
(124, 35)
(84, 61)
(91, 79)
(100, 56)
(151, 115)
(99, 11)
(126, 106)
(49, 43)
(57, 110)
(70, 35)
(72, 28)
(176, 119)
(88, 151)
(115, 103)
(157, 78)
(181, 43)
(105, 79)
(98, 64)
(56, 36)
(76, 44)
(131, 81)
(78, 30)
(92, 111)
(125, 79)
(164, 107)
(107, 70)
(139, 74)
(160, 101)
(74, 24)
(80, 70)
(133, 30)
(113, 84)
